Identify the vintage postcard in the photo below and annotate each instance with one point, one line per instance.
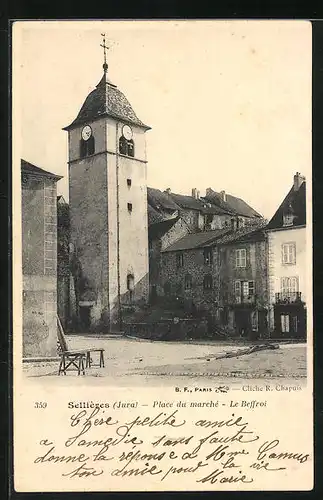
(162, 246)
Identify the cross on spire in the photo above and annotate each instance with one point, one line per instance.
(105, 48)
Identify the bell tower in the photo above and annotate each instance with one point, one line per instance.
(108, 207)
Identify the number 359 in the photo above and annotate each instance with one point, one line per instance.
(40, 404)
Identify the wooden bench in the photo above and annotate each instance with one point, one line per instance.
(75, 359)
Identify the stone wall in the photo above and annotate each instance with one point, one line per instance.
(224, 273)
(157, 245)
(39, 241)
(89, 230)
(173, 277)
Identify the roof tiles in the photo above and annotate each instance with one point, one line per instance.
(106, 100)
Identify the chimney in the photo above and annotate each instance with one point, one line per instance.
(298, 181)
(208, 191)
(195, 193)
(168, 191)
(223, 196)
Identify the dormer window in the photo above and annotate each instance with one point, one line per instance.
(288, 219)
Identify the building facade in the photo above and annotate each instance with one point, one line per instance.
(39, 260)
(222, 274)
(172, 216)
(108, 208)
(287, 257)
(243, 287)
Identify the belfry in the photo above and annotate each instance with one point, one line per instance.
(108, 207)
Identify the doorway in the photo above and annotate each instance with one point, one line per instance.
(85, 317)
(243, 322)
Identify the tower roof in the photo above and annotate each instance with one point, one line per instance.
(106, 100)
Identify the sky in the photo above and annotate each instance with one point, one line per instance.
(229, 102)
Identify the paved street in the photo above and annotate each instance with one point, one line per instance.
(135, 362)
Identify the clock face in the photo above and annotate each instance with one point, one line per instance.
(86, 132)
(127, 132)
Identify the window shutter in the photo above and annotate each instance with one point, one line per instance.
(283, 284)
(243, 258)
(285, 254)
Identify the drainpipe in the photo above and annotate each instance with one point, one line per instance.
(118, 228)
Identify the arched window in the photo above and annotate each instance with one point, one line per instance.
(87, 148)
(126, 147)
(207, 282)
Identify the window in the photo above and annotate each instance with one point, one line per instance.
(241, 257)
(207, 256)
(251, 290)
(87, 148)
(130, 286)
(207, 282)
(128, 182)
(288, 219)
(188, 282)
(126, 147)
(240, 223)
(208, 219)
(289, 286)
(284, 320)
(289, 253)
(129, 207)
(244, 290)
(180, 260)
(130, 282)
(237, 291)
(131, 148)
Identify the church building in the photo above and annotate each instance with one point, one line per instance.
(108, 208)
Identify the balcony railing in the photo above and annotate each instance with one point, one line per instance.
(288, 297)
